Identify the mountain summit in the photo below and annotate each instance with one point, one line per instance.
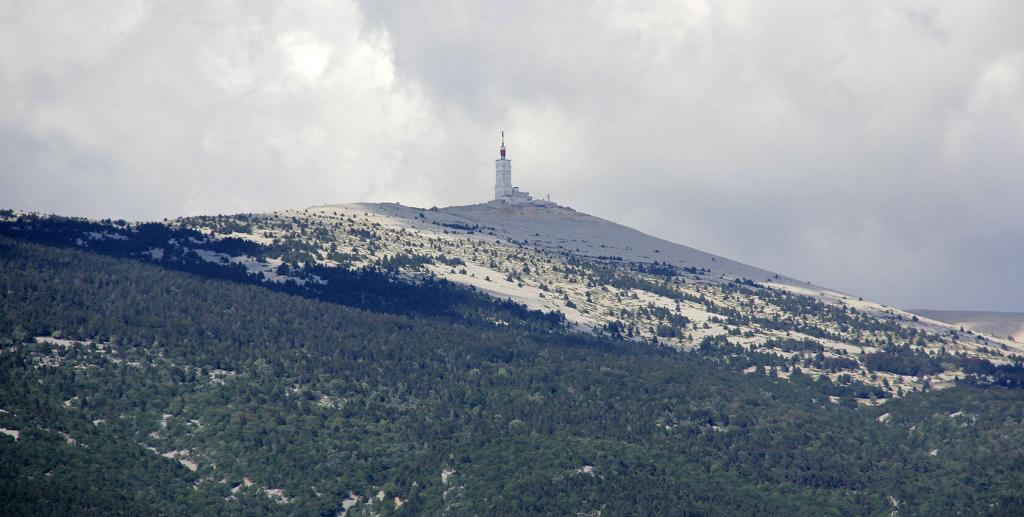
(561, 229)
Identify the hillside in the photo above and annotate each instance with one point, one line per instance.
(148, 390)
(609, 279)
(598, 277)
(562, 229)
(333, 361)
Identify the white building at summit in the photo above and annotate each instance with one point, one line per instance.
(503, 189)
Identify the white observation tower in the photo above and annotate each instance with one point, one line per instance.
(503, 189)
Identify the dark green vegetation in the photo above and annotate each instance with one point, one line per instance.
(378, 289)
(319, 399)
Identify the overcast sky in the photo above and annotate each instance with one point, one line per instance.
(875, 147)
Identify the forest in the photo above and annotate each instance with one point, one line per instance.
(140, 387)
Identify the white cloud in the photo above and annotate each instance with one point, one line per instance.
(309, 56)
(203, 108)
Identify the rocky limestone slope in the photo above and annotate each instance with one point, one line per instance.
(607, 278)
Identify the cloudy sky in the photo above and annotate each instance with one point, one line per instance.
(876, 147)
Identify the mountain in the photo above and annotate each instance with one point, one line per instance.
(600, 277)
(377, 359)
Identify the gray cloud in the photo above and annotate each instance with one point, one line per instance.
(876, 148)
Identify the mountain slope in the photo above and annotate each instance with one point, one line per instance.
(231, 397)
(596, 276)
(606, 277)
(562, 229)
